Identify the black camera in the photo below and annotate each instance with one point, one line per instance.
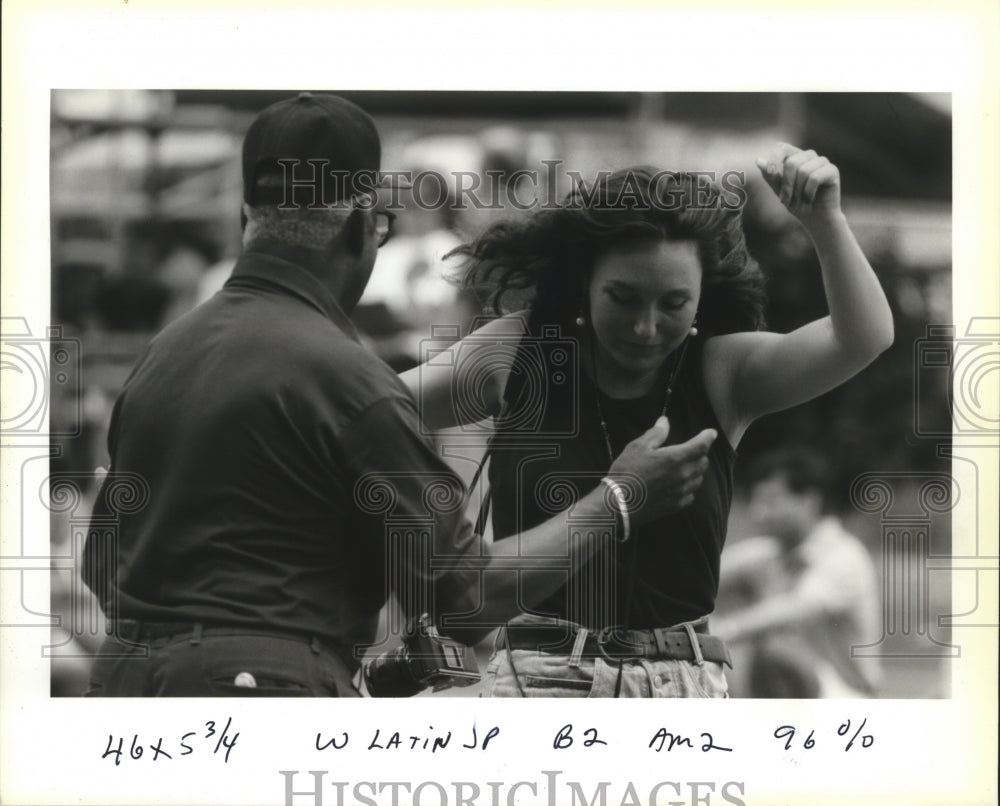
(424, 660)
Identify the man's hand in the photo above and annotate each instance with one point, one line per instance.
(807, 184)
(670, 474)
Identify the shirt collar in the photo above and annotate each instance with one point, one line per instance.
(295, 280)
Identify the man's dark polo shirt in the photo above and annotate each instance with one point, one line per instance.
(252, 419)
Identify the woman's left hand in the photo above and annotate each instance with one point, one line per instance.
(807, 184)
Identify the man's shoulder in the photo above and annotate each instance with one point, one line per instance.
(306, 357)
(343, 365)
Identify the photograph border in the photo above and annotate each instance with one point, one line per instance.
(923, 751)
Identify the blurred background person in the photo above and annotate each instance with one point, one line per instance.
(803, 592)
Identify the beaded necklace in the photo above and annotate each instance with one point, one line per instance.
(674, 372)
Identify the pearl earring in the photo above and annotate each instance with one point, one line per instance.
(580, 321)
(694, 330)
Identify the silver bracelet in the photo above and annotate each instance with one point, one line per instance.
(619, 495)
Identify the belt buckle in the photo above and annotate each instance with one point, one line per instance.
(628, 649)
(603, 638)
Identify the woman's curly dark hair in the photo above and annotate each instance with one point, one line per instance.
(545, 261)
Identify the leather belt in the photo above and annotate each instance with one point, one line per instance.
(662, 643)
(137, 630)
(151, 630)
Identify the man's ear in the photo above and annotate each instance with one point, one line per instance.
(355, 230)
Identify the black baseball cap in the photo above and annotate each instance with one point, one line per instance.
(310, 150)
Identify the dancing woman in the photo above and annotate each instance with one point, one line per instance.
(649, 272)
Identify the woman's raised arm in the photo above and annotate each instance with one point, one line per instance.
(759, 373)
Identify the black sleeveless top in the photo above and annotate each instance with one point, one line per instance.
(549, 450)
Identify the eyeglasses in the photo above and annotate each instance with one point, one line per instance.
(383, 225)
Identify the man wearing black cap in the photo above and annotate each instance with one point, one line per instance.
(251, 419)
(257, 567)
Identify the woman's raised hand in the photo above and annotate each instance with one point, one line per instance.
(806, 183)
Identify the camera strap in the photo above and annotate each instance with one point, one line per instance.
(484, 506)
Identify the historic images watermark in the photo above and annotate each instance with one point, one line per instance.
(549, 788)
(40, 376)
(48, 367)
(36, 369)
(540, 363)
(42, 399)
(907, 502)
(314, 184)
(412, 562)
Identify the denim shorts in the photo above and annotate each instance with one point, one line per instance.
(544, 674)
